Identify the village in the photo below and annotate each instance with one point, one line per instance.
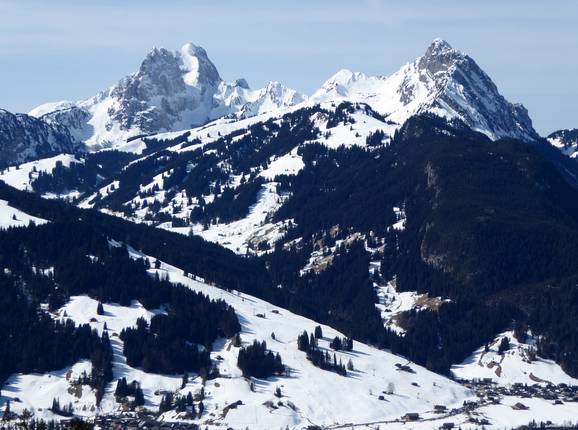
(490, 392)
(141, 421)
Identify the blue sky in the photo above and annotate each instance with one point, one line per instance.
(71, 49)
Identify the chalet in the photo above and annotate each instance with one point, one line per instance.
(440, 409)
(520, 407)
(411, 416)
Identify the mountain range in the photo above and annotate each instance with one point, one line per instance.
(174, 91)
(404, 246)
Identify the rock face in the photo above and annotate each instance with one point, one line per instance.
(24, 137)
(170, 91)
(566, 141)
(444, 81)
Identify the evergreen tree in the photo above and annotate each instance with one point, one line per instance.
(318, 332)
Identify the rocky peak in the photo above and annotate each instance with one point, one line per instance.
(440, 57)
(170, 91)
(159, 75)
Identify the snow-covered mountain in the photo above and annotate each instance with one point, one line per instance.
(443, 81)
(24, 137)
(175, 91)
(170, 91)
(566, 141)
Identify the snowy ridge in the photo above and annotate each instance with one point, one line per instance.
(12, 217)
(24, 137)
(180, 90)
(243, 235)
(21, 176)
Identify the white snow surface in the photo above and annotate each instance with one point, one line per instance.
(569, 149)
(393, 303)
(319, 396)
(36, 392)
(288, 164)
(514, 366)
(245, 234)
(12, 217)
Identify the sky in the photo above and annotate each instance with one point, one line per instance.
(72, 49)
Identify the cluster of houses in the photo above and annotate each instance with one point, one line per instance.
(490, 392)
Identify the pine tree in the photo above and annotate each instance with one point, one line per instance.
(139, 397)
(55, 406)
(318, 332)
(303, 342)
(7, 412)
(185, 380)
(504, 345)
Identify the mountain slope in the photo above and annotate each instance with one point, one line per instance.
(378, 389)
(24, 137)
(67, 287)
(170, 91)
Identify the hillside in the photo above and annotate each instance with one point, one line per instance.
(379, 387)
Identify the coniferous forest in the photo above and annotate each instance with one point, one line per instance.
(104, 271)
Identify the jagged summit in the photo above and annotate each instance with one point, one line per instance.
(170, 91)
(439, 47)
(443, 81)
(440, 56)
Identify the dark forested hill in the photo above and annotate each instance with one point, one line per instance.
(492, 226)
